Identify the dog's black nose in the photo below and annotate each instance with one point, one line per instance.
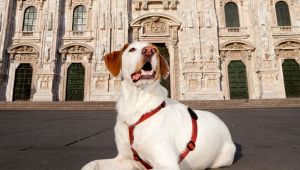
(148, 51)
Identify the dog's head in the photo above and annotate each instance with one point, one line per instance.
(139, 62)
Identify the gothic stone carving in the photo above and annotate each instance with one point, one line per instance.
(40, 3)
(236, 50)
(193, 81)
(288, 49)
(144, 4)
(101, 81)
(45, 82)
(71, 2)
(269, 78)
(24, 50)
(23, 54)
(26, 57)
(155, 26)
(76, 53)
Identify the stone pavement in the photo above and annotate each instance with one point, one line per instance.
(66, 140)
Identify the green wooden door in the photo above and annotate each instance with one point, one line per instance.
(291, 74)
(237, 80)
(22, 85)
(165, 53)
(75, 82)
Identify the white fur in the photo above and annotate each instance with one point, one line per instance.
(160, 139)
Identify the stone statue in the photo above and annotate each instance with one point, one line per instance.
(211, 52)
(190, 23)
(48, 54)
(192, 53)
(0, 21)
(120, 21)
(102, 52)
(1, 62)
(50, 22)
(102, 22)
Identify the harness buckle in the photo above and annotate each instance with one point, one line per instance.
(191, 145)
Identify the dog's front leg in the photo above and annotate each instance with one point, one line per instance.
(117, 163)
(162, 157)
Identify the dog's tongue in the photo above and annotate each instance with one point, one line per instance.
(136, 76)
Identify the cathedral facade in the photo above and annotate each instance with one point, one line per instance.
(52, 50)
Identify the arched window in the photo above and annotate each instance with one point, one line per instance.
(30, 16)
(283, 14)
(232, 15)
(79, 18)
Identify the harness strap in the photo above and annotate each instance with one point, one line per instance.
(145, 116)
(191, 144)
(189, 147)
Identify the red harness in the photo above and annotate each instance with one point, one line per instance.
(189, 147)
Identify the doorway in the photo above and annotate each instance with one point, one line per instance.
(291, 75)
(22, 85)
(75, 82)
(238, 85)
(163, 50)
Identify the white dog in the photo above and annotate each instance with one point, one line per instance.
(153, 131)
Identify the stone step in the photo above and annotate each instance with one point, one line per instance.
(202, 104)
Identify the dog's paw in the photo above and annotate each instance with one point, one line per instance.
(91, 166)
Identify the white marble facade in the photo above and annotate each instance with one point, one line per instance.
(200, 45)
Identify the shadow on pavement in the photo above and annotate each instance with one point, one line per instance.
(238, 153)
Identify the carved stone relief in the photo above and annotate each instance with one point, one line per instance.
(72, 2)
(23, 54)
(268, 78)
(24, 49)
(45, 82)
(25, 57)
(193, 81)
(101, 81)
(236, 50)
(288, 49)
(159, 26)
(165, 4)
(155, 25)
(21, 3)
(223, 2)
(76, 53)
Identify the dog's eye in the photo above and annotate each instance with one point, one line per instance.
(132, 50)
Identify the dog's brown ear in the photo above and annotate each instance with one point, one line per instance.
(164, 67)
(113, 61)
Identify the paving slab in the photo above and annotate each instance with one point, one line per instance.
(67, 140)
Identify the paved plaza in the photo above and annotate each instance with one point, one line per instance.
(269, 139)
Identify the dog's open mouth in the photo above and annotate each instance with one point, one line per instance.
(146, 73)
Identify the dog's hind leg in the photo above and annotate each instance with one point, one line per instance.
(226, 156)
